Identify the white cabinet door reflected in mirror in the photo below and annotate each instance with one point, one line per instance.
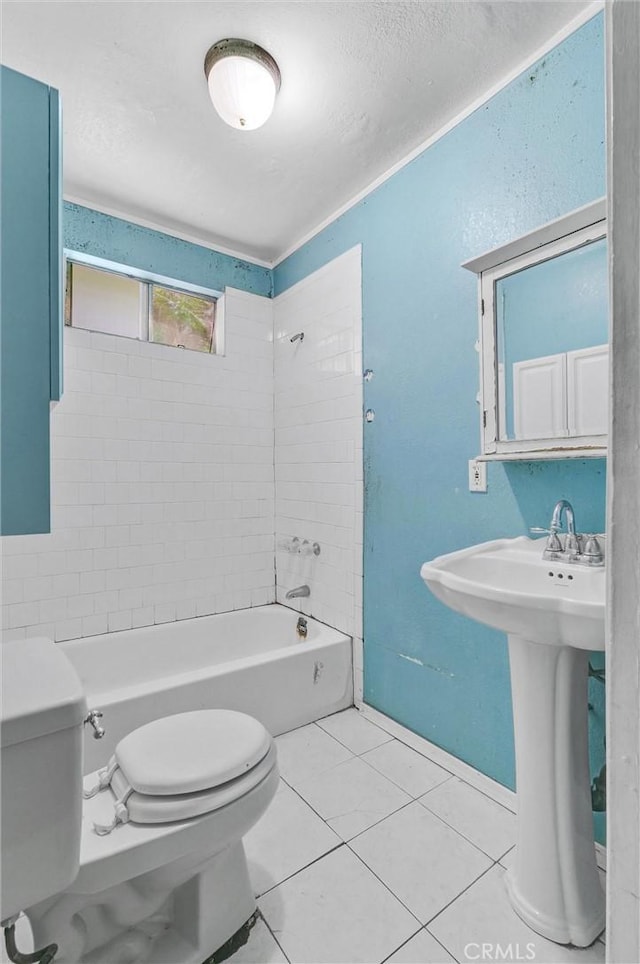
(544, 332)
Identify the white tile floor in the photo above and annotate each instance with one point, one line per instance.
(372, 853)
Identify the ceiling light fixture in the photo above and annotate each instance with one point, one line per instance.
(243, 82)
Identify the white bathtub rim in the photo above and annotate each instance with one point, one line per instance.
(113, 694)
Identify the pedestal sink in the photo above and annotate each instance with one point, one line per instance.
(553, 614)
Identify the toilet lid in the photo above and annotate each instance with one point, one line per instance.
(190, 752)
(143, 808)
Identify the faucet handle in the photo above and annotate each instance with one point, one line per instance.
(592, 553)
(554, 546)
(554, 542)
(573, 543)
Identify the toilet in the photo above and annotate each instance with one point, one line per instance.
(150, 865)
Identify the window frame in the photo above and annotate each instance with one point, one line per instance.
(147, 279)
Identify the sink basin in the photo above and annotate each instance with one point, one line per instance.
(553, 614)
(508, 585)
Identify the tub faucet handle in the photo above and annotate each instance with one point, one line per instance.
(92, 720)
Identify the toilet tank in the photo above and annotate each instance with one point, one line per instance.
(41, 713)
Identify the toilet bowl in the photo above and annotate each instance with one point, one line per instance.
(165, 884)
(161, 873)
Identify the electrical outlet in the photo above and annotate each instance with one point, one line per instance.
(477, 476)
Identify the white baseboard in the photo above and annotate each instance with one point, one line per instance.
(491, 788)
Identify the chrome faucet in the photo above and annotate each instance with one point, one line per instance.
(584, 549)
(572, 541)
(555, 547)
(556, 518)
(299, 591)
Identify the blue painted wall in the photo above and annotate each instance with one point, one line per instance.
(29, 315)
(117, 240)
(534, 152)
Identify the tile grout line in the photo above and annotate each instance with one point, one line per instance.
(360, 832)
(419, 797)
(398, 809)
(386, 886)
(440, 944)
(460, 833)
(402, 807)
(345, 843)
(270, 929)
(404, 943)
(454, 899)
(392, 739)
(315, 860)
(391, 780)
(600, 848)
(422, 930)
(399, 740)
(456, 765)
(494, 862)
(456, 776)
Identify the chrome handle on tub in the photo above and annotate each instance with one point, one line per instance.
(92, 720)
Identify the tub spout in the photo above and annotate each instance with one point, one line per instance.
(299, 591)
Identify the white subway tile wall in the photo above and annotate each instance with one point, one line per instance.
(164, 502)
(318, 445)
(162, 485)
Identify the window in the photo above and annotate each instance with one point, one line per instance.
(147, 308)
(180, 319)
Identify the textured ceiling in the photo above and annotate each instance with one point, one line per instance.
(363, 84)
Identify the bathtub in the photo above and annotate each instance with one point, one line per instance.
(251, 660)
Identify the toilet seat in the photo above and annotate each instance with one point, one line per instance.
(182, 766)
(191, 751)
(167, 808)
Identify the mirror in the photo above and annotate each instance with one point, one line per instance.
(551, 334)
(544, 305)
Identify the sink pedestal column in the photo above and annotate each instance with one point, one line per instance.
(554, 884)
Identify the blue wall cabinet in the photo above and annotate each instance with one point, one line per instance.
(30, 297)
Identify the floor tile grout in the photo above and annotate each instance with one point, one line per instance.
(393, 740)
(348, 842)
(454, 899)
(442, 767)
(311, 807)
(464, 836)
(502, 856)
(434, 763)
(441, 944)
(360, 832)
(422, 927)
(456, 777)
(360, 715)
(271, 931)
(413, 800)
(404, 943)
(386, 886)
(384, 776)
(300, 869)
